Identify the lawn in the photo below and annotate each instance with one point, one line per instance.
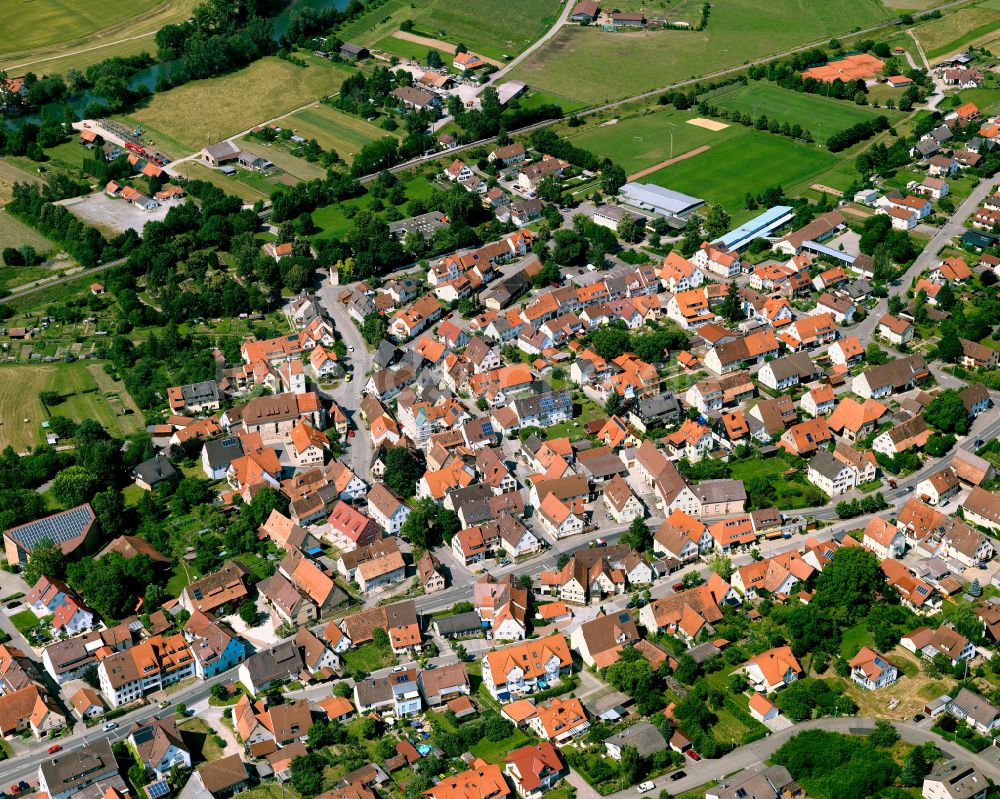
(231, 184)
(213, 109)
(592, 65)
(747, 163)
(24, 621)
(956, 29)
(535, 99)
(820, 115)
(333, 221)
(199, 738)
(854, 638)
(367, 657)
(493, 28)
(19, 390)
(495, 752)
(414, 51)
(789, 492)
(334, 130)
(986, 99)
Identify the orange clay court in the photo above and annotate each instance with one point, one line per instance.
(853, 67)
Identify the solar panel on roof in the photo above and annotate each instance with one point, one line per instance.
(157, 789)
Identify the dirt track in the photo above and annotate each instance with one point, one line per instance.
(651, 169)
(438, 44)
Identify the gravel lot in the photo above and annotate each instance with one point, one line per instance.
(115, 214)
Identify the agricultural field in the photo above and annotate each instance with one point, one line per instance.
(14, 233)
(334, 130)
(956, 29)
(11, 173)
(493, 28)
(20, 387)
(50, 36)
(593, 66)
(820, 115)
(214, 109)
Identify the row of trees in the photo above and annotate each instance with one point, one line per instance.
(859, 132)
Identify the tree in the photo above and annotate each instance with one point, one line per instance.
(638, 535)
(731, 308)
(612, 179)
(717, 221)
(374, 328)
(434, 59)
(629, 230)
(74, 485)
(949, 348)
(46, 559)
(915, 768)
(849, 582)
(402, 470)
(946, 297)
(249, 614)
(875, 355)
(946, 412)
(722, 565)
(307, 773)
(613, 403)
(975, 589)
(884, 734)
(629, 765)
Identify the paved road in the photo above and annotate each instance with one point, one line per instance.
(348, 394)
(955, 226)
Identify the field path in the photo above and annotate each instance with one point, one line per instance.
(82, 50)
(437, 44)
(651, 169)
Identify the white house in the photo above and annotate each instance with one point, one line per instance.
(871, 670)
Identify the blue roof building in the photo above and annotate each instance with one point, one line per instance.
(761, 225)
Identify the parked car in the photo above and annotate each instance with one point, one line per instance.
(643, 787)
(678, 775)
(892, 483)
(678, 586)
(693, 755)
(54, 748)
(109, 725)
(919, 717)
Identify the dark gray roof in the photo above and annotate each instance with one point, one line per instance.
(223, 451)
(645, 737)
(80, 767)
(155, 470)
(798, 363)
(659, 407)
(385, 354)
(827, 465)
(280, 662)
(205, 391)
(459, 623)
(537, 404)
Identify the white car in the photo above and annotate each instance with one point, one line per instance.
(643, 787)
(110, 725)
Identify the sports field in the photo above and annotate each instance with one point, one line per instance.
(213, 109)
(642, 141)
(956, 29)
(492, 28)
(819, 115)
(49, 36)
(334, 130)
(746, 163)
(592, 65)
(21, 385)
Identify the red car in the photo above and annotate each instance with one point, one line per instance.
(678, 586)
(693, 755)
(54, 748)
(15, 789)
